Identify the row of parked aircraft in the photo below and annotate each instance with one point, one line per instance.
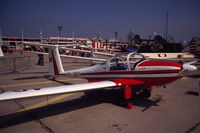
(130, 70)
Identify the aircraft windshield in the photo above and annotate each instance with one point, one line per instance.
(124, 61)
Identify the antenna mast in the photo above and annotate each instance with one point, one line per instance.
(1, 38)
(22, 33)
(166, 29)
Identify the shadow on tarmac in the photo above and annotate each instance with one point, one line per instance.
(147, 103)
(33, 77)
(89, 99)
(6, 73)
(193, 76)
(194, 93)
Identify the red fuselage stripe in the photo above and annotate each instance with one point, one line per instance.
(139, 81)
(55, 65)
(160, 63)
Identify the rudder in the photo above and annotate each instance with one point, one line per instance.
(55, 63)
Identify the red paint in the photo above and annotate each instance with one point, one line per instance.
(138, 81)
(127, 92)
(129, 106)
(17, 50)
(151, 88)
(12, 38)
(146, 81)
(160, 63)
(127, 96)
(158, 81)
(56, 71)
(128, 81)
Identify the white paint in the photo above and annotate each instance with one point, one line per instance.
(150, 68)
(55, 90)
(168, 55)
(1, 52)
(132, 75)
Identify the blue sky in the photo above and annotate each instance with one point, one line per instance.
(87, 18)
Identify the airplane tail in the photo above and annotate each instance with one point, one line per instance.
(55, 64)
(1, 52)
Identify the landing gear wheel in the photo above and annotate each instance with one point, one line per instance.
(53, 78)
(125, 103)
(122, 102)
(145, 93)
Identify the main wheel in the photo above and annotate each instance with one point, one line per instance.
(145, 93)
(122, 102)
(53, 78)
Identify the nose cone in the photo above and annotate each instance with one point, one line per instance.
(188, 67)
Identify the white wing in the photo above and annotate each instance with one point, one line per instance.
(168, 56)
(55, 90)
(47, 45)
(84, 58)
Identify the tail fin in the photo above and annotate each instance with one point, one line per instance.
(1, 52)
(55, 64)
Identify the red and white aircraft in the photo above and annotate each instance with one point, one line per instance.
(126, 70)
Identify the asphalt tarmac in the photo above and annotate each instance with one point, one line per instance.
(171, 109)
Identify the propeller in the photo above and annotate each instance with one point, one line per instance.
(189, 67)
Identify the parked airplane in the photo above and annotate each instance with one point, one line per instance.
(193, 47)
(93, 52)
(127, 70)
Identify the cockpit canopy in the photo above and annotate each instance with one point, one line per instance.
(124, 61)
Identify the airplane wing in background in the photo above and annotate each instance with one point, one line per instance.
(169, 56)
(10, 95)
(46, 45)
(84, 58)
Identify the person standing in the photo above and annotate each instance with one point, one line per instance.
(41, 59)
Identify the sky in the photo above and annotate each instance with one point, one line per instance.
(87, 18)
